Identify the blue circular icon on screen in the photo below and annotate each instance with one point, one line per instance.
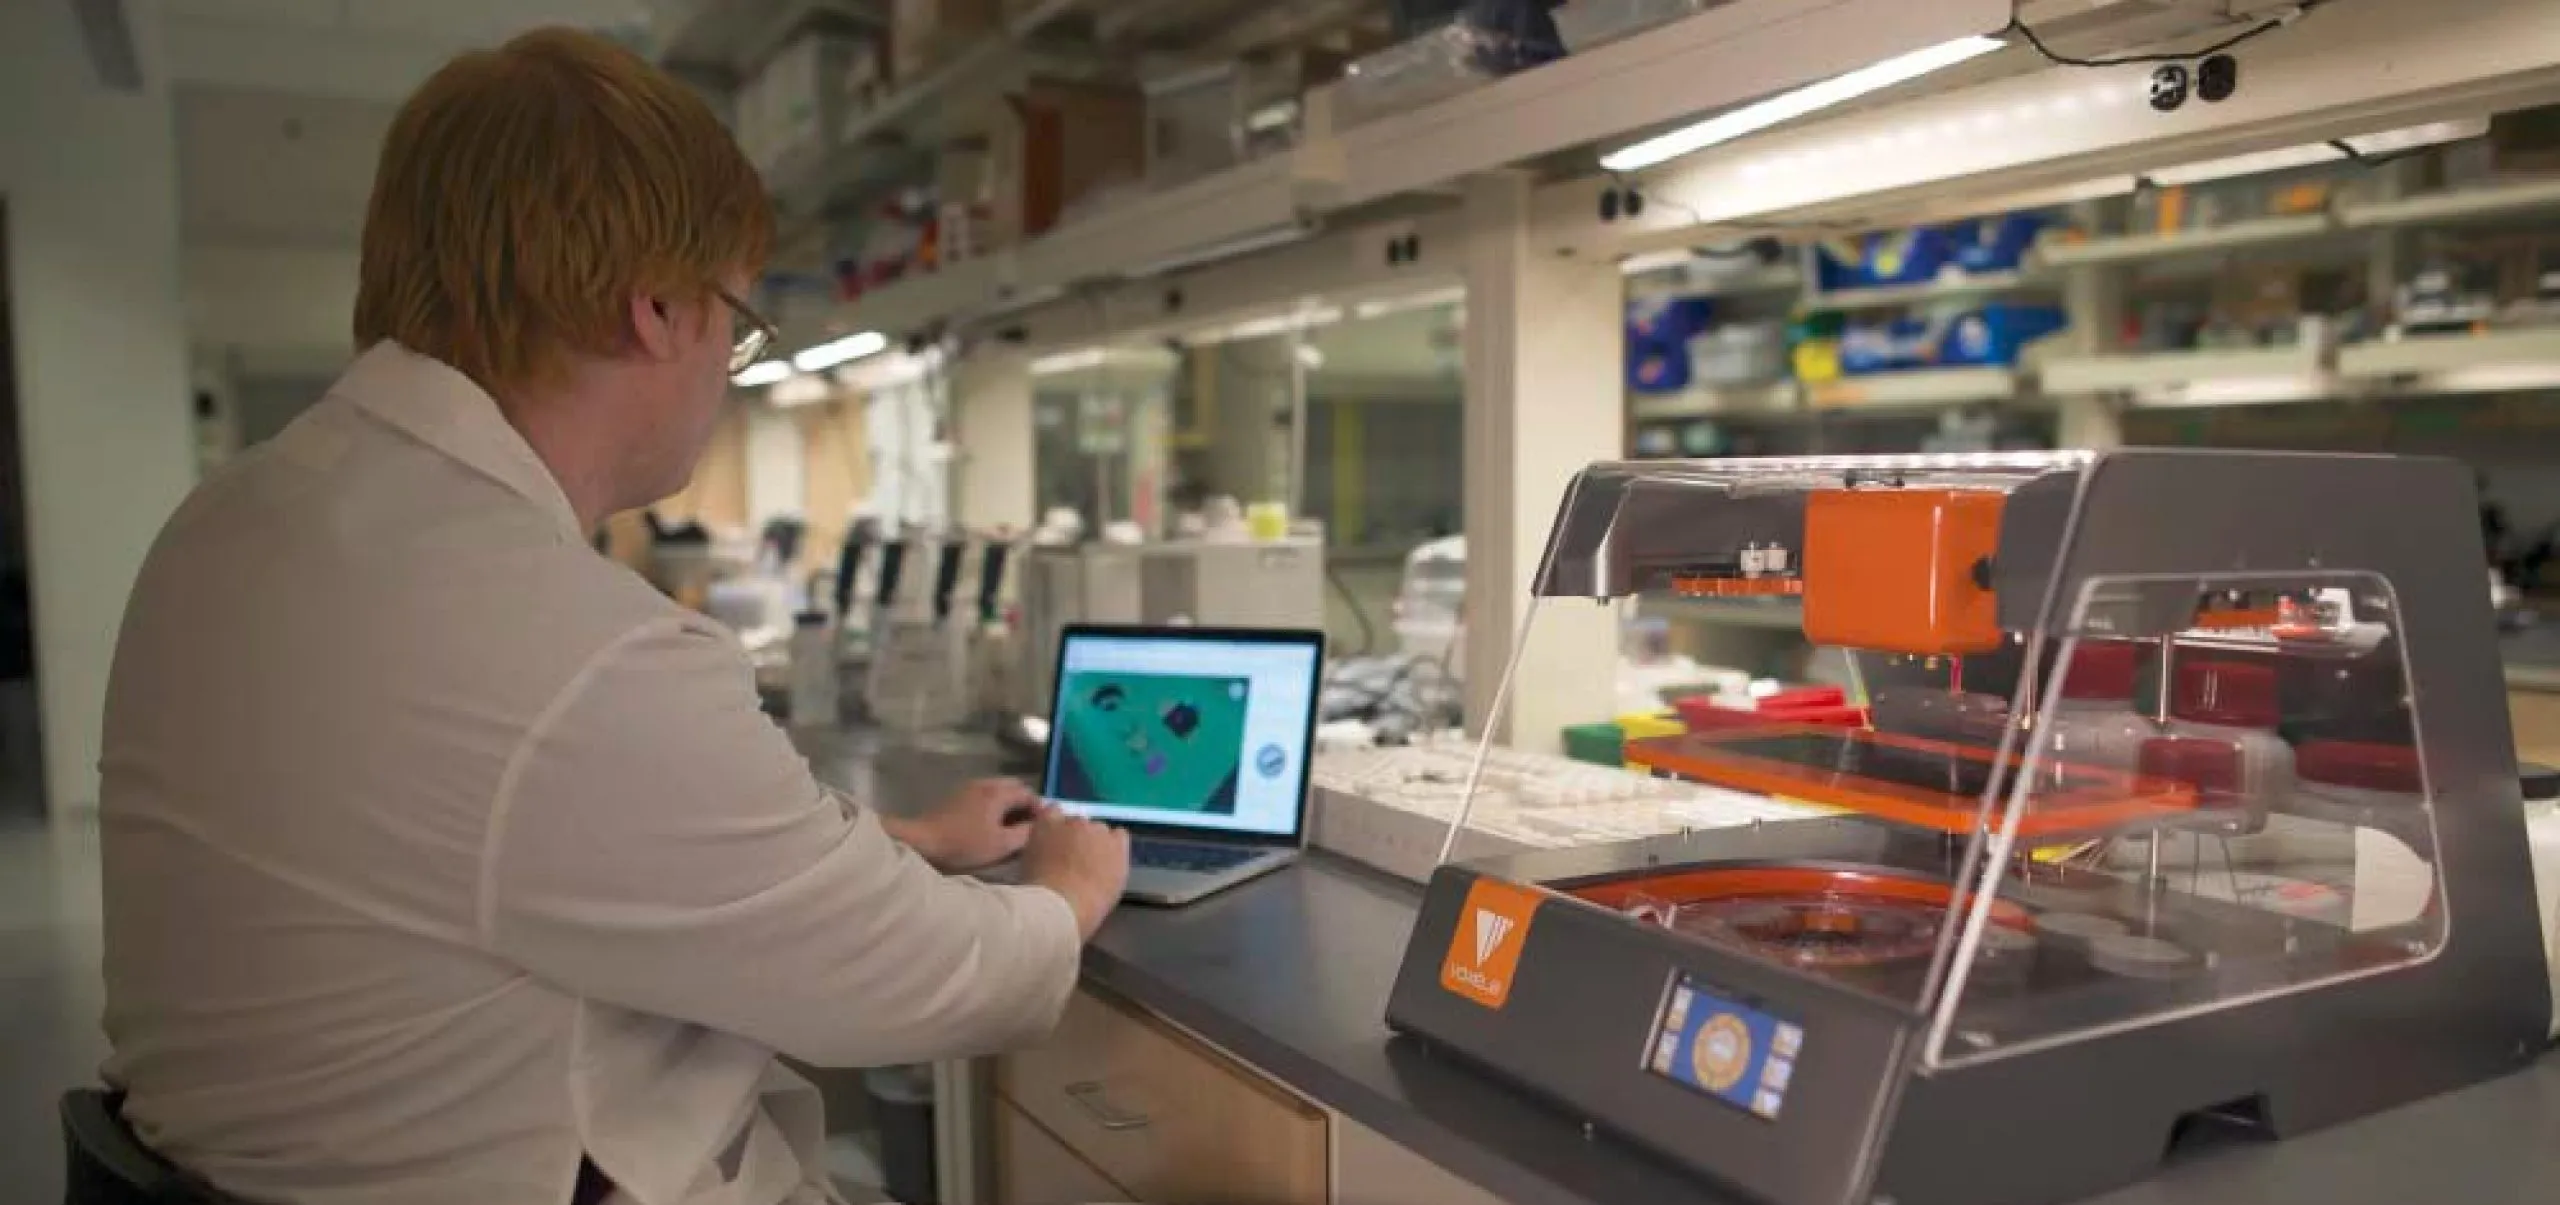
(1271, 761)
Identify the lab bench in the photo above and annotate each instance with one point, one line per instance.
(1235, 1051)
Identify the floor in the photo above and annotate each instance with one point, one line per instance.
(49, 992)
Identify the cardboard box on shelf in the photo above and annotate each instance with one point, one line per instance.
(798, 104)
(2258, 295)
(1055, 144)
(964, 197)
(1209, 118)
(962, 174)
(924, 34)
(866, 83)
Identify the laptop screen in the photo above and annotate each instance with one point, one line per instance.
(1200, 730)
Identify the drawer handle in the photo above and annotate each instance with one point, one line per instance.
(1096, 1103)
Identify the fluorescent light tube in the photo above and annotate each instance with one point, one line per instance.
(1655, 261)
(1384, 306)
(1760, 115)
(2388, 142)
(1067, 361)
(2241, 391)
(761, 373)
(841, 351)
(799, 389)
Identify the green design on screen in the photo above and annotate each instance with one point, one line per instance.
(1170, 742)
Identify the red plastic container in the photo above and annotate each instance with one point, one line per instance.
(1702, 714)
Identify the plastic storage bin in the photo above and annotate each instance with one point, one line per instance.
(1898, 257)
(1669, 319)
(1739, 353)
(1998, 244)
(1998, 333)
(1642, 725)
(1993, 335)
(1455, 58)
(1584, 24)
(1431, 602)
(1598, 744)
(798, 105)
(1204, 121)
(1657, 367)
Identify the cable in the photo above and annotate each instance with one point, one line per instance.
(1368, 631)
(2360, 159)
(1628, 187)
(2270, 25)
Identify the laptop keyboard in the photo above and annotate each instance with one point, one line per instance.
(1186, 856)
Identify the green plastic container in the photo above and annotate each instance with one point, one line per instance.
(1602, 744)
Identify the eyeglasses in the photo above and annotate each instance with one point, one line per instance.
(750, 333)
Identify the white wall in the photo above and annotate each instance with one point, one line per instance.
(1542, 386)
(777, 468)
(281, 311)
(90, 183)
(991, 420)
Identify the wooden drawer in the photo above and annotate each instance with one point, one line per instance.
(1175, 1122)
(1033, 1168)
(2536, 716)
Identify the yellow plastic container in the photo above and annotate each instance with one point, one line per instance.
(1640, 725)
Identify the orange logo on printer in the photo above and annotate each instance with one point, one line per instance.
(1484, 953)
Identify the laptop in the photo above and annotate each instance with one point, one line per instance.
(1195, 740)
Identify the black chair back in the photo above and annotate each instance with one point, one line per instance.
(103, 1162)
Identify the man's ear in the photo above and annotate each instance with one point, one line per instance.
(654, 327)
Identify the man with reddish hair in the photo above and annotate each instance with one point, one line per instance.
(447, 862)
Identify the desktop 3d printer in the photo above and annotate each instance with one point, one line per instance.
(2184, 800)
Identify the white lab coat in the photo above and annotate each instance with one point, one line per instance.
(441, 852)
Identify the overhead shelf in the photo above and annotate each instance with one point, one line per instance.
(1755, 281)
(2512, 359)
(1918, 387)
(1980, 284)
(1254, 203)
(2132, 248)
(984, 71)
(2170, 370)
(1732, 52)
(1250, 206)
(720, 36)
(1709, 401)
(920, 114)
(920, 301)
(2458, 205)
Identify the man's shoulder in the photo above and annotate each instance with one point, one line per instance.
(344, 515)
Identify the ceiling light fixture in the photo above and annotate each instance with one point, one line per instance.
(1655, 261)
(1785, 107)
(841, 351)
(1067, 361)
(2313, 154)
(761, 373)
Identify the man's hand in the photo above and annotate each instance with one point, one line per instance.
(1085, 861)
(982, 824)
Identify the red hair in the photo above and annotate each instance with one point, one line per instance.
(526, 193)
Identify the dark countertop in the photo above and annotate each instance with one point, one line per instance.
(1291, 973)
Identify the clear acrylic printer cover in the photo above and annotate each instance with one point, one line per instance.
(2107, 750)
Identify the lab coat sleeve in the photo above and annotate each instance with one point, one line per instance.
(659, 845)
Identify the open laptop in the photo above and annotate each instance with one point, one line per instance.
(1195, 740)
